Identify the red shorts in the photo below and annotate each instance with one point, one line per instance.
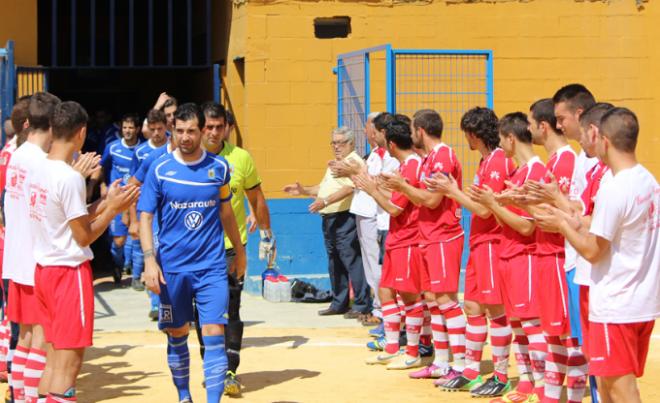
(552, 291)
(22, 305)
(517, 278)
(584, 317)
(617, 349)
(402, 269)
(66, 296)
(481, 280)
(442, 265)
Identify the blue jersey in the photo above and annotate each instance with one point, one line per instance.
(185, 198)
(141, 154)
(141, 172)
(116, 161)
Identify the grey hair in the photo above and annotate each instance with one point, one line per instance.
(346, 132)
(372, 115)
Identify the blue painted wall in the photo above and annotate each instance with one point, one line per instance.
(300, 248)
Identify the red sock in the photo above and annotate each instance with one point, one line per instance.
(537, 352)
(500, 340)
(34, 368)
(576, 368)
(456, 328)
(425, 338)
(521, 353)
(392, 325)
(5, 335)
(52, 398)
(476, 333)
(414, 321)
(440, 337)
(17, 368)
(555, 369)
(402, 311)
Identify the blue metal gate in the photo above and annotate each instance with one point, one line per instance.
(449, 81)
(17, 81)
(7, 83)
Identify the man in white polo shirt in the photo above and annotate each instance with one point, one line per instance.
(622, 243)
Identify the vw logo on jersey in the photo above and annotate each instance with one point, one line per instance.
(193, 220)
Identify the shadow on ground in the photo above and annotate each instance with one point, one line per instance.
(107, 380)
(269, 341)
(254, 381)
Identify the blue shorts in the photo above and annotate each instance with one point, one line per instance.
(117, 227)
(574, 305)
(208, 288)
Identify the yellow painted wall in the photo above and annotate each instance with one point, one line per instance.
(288, 104)
(18, 21)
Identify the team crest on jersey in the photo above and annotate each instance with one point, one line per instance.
(495, 175)
(564, 183)
(193, 220)
(165, 314)
(211, 173)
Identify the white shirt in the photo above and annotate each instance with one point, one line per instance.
(626, 282)
(578, 183)
(379, 161)
(18, 263)
(58, 195)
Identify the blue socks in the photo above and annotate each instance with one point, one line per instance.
(215, 367)
(117, 254)
(128, 251)
(178, 359)
(137, 259)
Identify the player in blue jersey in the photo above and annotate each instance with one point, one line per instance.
(190, 193)
(157, 126)
(116, 164)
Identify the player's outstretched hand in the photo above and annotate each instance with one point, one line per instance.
(251, 222)
(441, 183)
(87, 164)
(119, 198)
(295, 189)
(391, 180)
(239, 264)
(153, 275)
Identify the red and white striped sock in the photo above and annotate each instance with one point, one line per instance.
(5, 335)
(476, 333)
(455, 320)
(17, 368)
(426, 337)
(555, 369)
(60, 399)
(440, 336)
(521, 353)
(576, 371)
(414, 321)
(538, 350)
(402, 311)
(391, 321)
(34, 368)
(500, 340)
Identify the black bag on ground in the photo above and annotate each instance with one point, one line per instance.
(305, 292)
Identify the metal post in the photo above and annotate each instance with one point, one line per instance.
(217, 83)
(367, 96)
(490, 80)
(73, 33)
(389, 78)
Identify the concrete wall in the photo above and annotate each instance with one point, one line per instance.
(290, 91)
(18, 21)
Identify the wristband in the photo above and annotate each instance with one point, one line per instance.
(148, 253)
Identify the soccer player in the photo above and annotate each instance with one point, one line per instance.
(139, 170)
(157, 127)
(63, 228)
(441, 244)
(565, 356)
(18, 266)
(518, 274)
(482, 282)
(116, 164)
(622, 244)
(402, 269)
(244, 182)
(189, 190)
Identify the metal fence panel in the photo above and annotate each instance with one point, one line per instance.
(450, 82)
